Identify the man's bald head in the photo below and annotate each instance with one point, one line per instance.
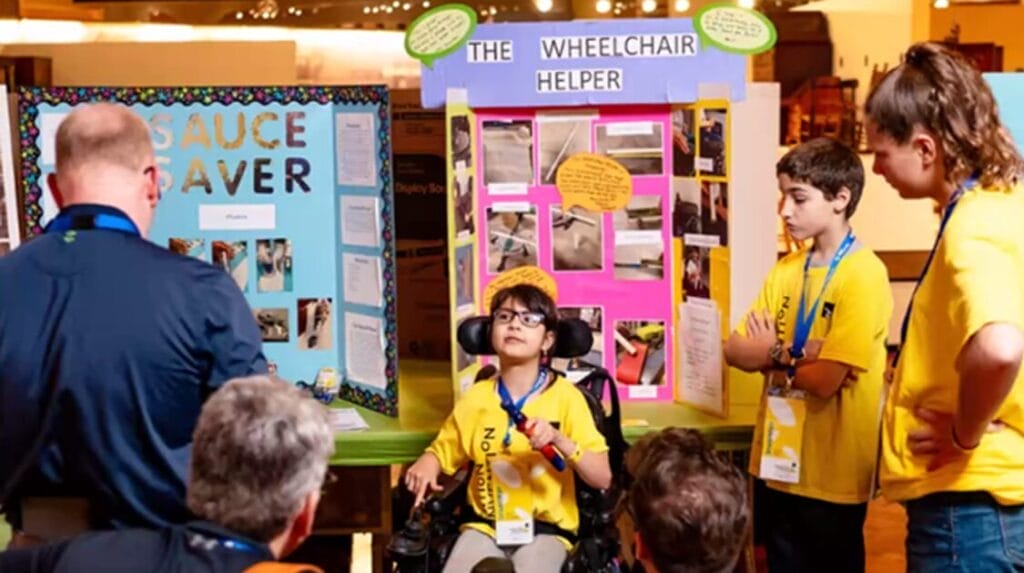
(100, 136)
(105, 156)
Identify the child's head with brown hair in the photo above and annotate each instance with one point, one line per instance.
(523, 323)
(932, 122)
(821, 181)
(688, 504)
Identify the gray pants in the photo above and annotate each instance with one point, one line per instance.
(545, 554)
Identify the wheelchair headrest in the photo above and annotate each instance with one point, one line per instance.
(573, 337)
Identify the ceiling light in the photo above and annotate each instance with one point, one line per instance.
(748, 4)
(603, 6)
(649, 6)
(406, 6)
(544, 5)
(426, 3)
(682, 5)
(941, 4)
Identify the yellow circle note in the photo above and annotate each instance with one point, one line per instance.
(594, 182)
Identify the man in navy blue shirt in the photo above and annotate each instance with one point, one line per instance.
(256, 492)
(109, 344)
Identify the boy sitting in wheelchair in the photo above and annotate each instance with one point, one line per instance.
(525, 506)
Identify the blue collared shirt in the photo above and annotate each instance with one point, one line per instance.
(141, 337)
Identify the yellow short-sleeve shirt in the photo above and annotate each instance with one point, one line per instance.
(475, 431)
(976, 278)
(840, 446)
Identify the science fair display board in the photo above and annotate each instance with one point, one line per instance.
(288, 190)
(596, 159)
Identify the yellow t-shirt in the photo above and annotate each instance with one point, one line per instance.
(475, 431)
(840, 444)
(976, 278)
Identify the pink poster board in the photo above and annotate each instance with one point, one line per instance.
(613, 269)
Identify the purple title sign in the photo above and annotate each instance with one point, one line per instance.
(583, 63)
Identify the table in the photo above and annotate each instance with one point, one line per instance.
(360, 500)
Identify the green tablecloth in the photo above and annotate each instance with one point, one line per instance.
(425, 399)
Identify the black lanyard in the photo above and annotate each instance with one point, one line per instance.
(946, 214)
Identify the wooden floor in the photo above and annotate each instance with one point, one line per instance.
(884, 534)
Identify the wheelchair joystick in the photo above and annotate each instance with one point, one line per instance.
(548, 451)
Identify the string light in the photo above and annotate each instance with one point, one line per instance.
(682, 5)
(649, 6)
(603, 6)
(544, 5)
(748, 4)
(941, 4)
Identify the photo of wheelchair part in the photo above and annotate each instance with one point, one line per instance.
(640, 352)
(576, 239)
(512, 239)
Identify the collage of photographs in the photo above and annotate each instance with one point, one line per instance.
(518, 166)
(274, 274)
(700, 191)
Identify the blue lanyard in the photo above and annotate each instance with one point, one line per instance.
(517, 405)
(804, 320)
(105, 221)
(969, 183)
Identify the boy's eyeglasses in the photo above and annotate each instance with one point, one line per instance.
(527, 318)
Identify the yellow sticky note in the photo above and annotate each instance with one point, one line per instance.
(594, 182)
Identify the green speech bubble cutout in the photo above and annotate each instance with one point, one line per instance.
(734, 29)
(439, 31)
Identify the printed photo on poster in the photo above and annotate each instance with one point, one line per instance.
(714, 211)
(274, 263)
(462, 195)
(594, 317)
(642, 213)
(233, 257)
(465, 270)
(188, 247)
(637, 145)
(576, 239)
(684, 143)
(559, 138)
(273, 323)
(508, 151)
(461, 141)
(511, 236)
(686, 209)
(712, 142)
(697, 271)
(640, 352)
(639, 247)
(315, 323)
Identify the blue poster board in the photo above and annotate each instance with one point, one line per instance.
(1008, 89)
(289, 190)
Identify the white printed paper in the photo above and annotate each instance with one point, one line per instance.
(356, 145)
(346, 420)
(365, 362)
(511, 207)
(237, 217)
(507, 188)
(630, 128)
(362, 280)
(706, 241)
(700, 352)
(359, 221)
(638, 237)
(48, 124)
(642, 392)
(706, 164)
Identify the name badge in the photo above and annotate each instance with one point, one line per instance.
(513, 501)
(783, 438)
